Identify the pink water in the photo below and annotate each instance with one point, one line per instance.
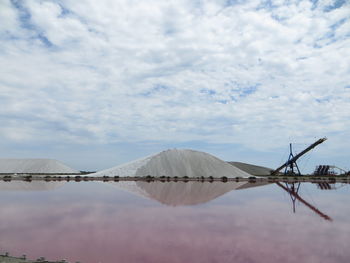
(96, 222)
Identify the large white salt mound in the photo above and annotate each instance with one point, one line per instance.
(34, 166)
(178, 163)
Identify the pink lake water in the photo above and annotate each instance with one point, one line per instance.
(93, 222)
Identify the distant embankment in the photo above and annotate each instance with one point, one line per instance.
(252, 169)
(6, 258)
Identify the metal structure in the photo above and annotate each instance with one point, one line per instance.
(292, 189)
(291, 163)
(293, 192)
(326, 186)
(329, 170)
(324, 170)
(330, 186)
(292, 166)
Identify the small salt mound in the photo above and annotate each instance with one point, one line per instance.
(34, 166)
(176, 163)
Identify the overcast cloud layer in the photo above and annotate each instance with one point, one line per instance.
(255, 74)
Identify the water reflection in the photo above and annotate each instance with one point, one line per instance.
(183, 193)
(293, 190)
(29, 186)
(193, 193)
(94, 222)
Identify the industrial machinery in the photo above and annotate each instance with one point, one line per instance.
(291, 168)
(291, 165)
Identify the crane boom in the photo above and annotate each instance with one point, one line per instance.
(296, 157)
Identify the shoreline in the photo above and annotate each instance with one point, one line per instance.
(148, 178)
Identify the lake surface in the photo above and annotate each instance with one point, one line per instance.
(95, 222)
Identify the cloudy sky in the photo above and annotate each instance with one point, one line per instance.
(98, 83)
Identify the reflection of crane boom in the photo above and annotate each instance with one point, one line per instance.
(296, 157)
(296, 196)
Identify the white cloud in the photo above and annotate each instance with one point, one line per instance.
(174, 71)
(8, 17)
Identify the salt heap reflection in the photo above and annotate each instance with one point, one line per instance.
(29, 186)
(183, 193)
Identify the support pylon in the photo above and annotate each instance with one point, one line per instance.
(292, 167)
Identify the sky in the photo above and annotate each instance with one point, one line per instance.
(98, 83)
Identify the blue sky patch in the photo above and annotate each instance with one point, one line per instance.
(324, 100)
(223, 101)
(24, 14)
(64, 11)
(158, 88)
(314, 4)
(335, 5)
(248, 91)
(232, 2)
(208, 91)
(25, 19)
(44, 40)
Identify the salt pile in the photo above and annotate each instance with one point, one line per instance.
(178, 163)
(34, 166)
